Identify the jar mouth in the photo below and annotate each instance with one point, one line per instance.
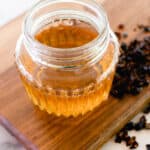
(88, 5)
(28, 23)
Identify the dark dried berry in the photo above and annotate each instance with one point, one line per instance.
(146, 69)
(142, 45)
(122, 71)
(138, 55)
(118, 139)
(121, 26)
(128, 58)
(125, 135)
(117, 93)
(141, 124)
(134, 145)
(134, 90)
(129, 126)
(118, 35)
(131, 140)
(143, 83)
(147, 109)
(143, 121)
(128, 141)
(140, 26)
(122, 134)
(133, 44)
(146, 29)
(124, 46)
(148, 146)
(125, 35)
(138, 126)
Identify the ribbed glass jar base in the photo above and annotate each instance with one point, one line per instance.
(67, 104)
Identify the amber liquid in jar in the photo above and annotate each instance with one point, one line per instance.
(69, 92)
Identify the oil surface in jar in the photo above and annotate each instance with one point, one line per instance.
(70, 93)
(67, 34)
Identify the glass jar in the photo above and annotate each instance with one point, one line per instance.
(67, 81)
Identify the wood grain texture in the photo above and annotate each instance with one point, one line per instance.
(84, 132)
(8, 39)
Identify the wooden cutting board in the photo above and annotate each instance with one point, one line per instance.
(90, 131)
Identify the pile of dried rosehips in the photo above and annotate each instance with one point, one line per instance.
(123, 136)
(132, 75)
(133, 69)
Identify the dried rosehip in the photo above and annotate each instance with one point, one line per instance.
(121, 26)
(134, 145)
(129, 126)
(148, 146)
(147, 109)
(133, 69)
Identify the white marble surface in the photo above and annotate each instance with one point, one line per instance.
(8, 142)
(10, 9)
(143, 138)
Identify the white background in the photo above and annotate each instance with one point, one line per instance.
(9, 9)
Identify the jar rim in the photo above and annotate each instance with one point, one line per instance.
(39, 46)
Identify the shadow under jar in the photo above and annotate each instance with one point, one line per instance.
(67, 56)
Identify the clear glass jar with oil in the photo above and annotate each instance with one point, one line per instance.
(66, 56)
